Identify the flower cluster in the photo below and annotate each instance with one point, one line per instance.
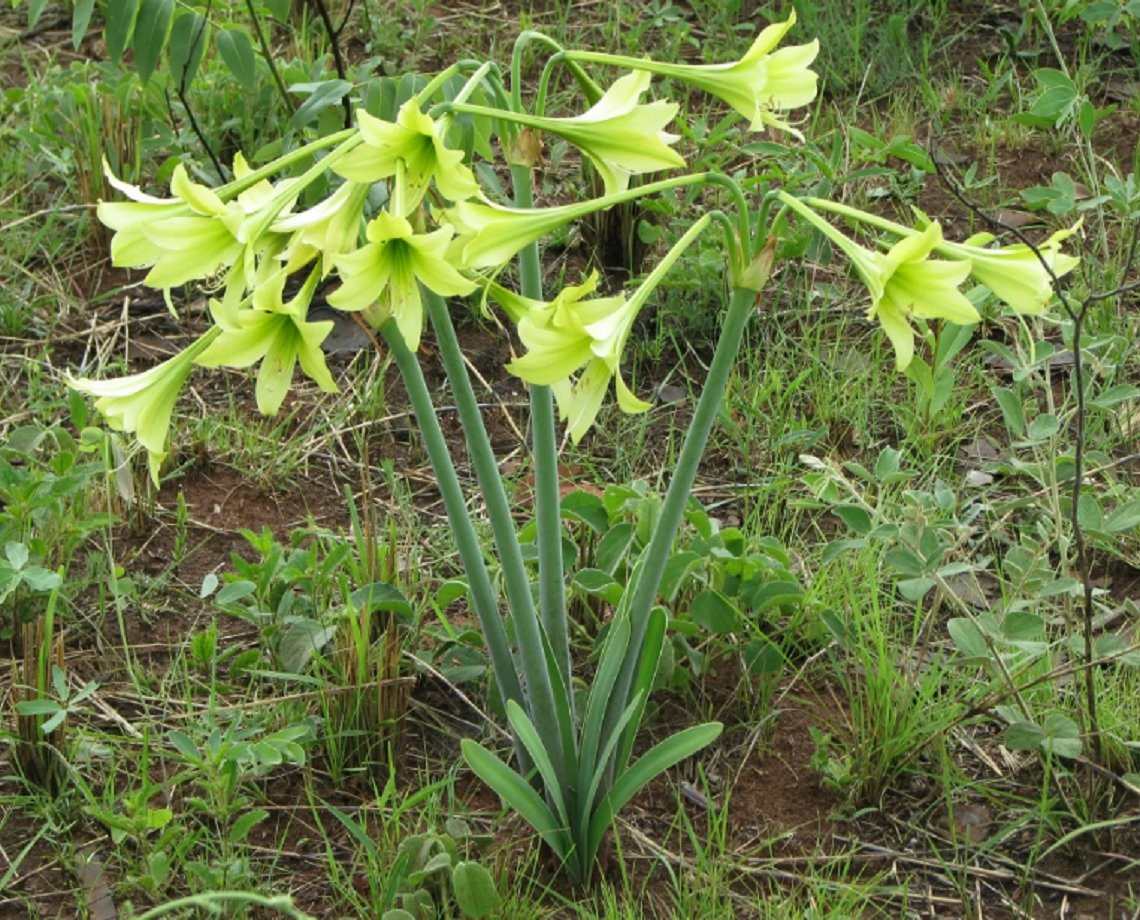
(408, 212)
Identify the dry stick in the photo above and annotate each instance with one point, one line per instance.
(1077, 317)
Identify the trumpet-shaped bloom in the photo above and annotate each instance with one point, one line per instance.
(904, 281)
(1014, 273)
(619, 135)
(492, 235)
(419, 142)
(275, 333)
(328, 229)
(571, 333)
(761, 83)
(192, 235)
(142, 403)
(389, 269)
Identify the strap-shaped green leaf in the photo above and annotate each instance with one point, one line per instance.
(656, 760)
(613, 654)
(517, 793)
(529, 738)
(80, 20)
(643, 681)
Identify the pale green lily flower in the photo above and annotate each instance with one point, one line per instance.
(419, 142)
(328, 229)
(1014, 273)
(904, 281)
(142, 403)
(574, 331)
(619, 135)
(192, 235)
(570, 333)
(275, 333)
(388, 270)
(762, 82)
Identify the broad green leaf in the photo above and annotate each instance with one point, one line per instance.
(80, 20)
(240, 829)
(188, 38)
(1062, 736)
(1023, 736)
(150, 35)
(517, 793)
(1043, 426)
(1022, 626)
(37, 707)
(914, 589)
(17, 554)
(474, 889)
(714, 612)
(655, 761)
(120, 23)
(855, 517)
(905, 561)
(1011, 410)
(1115, 395)
(887, 463)
(380, 596)
(613, 547)
(40, 579)
(968, 639)
(237, 52)
(587, 508)
(320, 97)
(1124, 517)
(773, 594)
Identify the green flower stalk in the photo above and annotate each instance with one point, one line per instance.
(419, 142)
(619, 135)
(761, 83)
(383, 277)
(275, 333)
(1014, 273)
(903, 282)
(141, 404)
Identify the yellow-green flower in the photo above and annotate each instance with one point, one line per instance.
(572, 333)
(275, 333)
(192, 235)
(142, 403)
(328, 229)
(389, 269)
(761, 83)
(1014, 273)
(904, 281)
(619, 135)
(575, 332)
(419, 142)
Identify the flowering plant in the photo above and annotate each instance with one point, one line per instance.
(438, 233)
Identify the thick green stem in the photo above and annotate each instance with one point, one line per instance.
(483, 599)
(539, 689)
(547, 503)
(652, 565)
